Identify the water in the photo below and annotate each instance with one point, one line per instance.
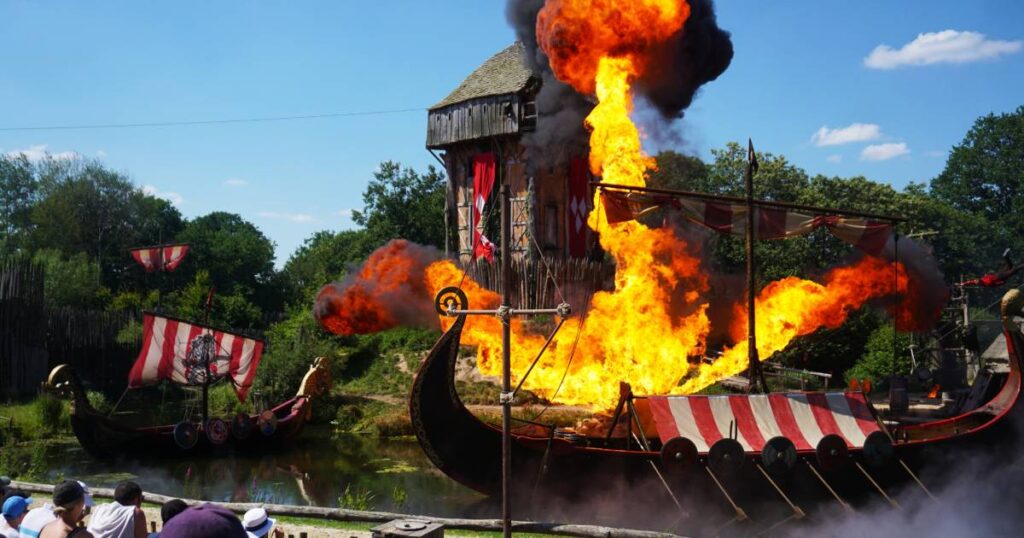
(315, 471)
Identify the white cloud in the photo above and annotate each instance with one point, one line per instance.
(834, 158)
(39, 151)
(936, 154)
(947, 46)
(171, 197)
(235, 182)
(884, 152)
(857, 132)
(298, 218)
(345, 213)
(100, 153)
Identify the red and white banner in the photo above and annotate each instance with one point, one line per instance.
(803, 418)
(172, 350)
(160, 258)
(483, 182)
(769, 223)
(579, 206)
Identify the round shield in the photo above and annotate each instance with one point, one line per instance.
(778, 455)
(726, 456)
(217, 431)
(832, 453)
(241, 426)
(877, 449)
(451, 296)
(678, 454)
(185, 435)
(267, 423)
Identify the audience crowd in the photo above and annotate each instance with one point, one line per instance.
(65, 516)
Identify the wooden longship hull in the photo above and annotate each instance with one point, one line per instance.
(104, 437)
(469, 451)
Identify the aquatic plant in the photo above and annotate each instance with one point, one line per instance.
(356, 498)
(398, 497)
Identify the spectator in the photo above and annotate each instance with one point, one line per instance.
(258, 524)
(204, 521)
(14, 509)
(69, 509)
(170, 509)
(122, 518)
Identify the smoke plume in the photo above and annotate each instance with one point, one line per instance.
(385, 292)
(677, 68)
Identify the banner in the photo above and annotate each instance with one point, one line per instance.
(578, 207)
(483, 183)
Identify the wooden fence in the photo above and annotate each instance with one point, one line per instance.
(23, 358)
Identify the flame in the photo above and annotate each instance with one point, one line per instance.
(792, 307)
(643, 331)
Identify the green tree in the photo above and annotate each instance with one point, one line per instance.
(401, 203)
(235, 254)
(322, 258)
(18, 191)
(71, 280)
(983, 173)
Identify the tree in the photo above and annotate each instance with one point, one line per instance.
(985, 172)
(17, 194)
(237, 256)
(83, 207)
(400, 203)
(322, 258)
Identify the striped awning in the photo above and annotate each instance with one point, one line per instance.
(803, 418)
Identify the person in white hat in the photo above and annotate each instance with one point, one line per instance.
(258, 524)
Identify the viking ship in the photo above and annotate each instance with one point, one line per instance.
(194, 356)
(837, 439)
(842, 445)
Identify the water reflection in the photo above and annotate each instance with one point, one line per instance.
(315, 471)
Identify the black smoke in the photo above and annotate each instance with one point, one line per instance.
(694, 56)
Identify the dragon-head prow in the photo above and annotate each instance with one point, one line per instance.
(317, 380)
(64, 383)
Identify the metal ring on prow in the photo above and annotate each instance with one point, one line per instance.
(878, 449)
(726, 456)
(778, 455)
(678, 455)
(217, 431)
(450, 297)
(832, 453)
(1010, 306)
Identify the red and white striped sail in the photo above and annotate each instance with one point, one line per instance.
(160, 258)
(769, 222)
(803, 418)
(168, 354)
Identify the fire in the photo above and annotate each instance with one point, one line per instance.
(644, 331)
(375, 298)
(792, 307)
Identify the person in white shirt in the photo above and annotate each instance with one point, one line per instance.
(14, 509)
(122, 518)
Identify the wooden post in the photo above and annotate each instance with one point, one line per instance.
(754, 371)
(506, 359)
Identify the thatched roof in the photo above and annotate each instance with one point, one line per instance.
(505, 72)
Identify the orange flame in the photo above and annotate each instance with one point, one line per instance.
(643, 331)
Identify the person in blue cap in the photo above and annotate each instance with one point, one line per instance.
(14, 509)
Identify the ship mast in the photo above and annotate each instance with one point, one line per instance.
(754, 372)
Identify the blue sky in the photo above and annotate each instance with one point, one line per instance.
(799, 67)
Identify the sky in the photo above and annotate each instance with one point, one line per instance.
(876, 88)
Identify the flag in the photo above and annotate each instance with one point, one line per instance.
(579, 206)
(160, 258)
(179, 351)
(483, 182)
